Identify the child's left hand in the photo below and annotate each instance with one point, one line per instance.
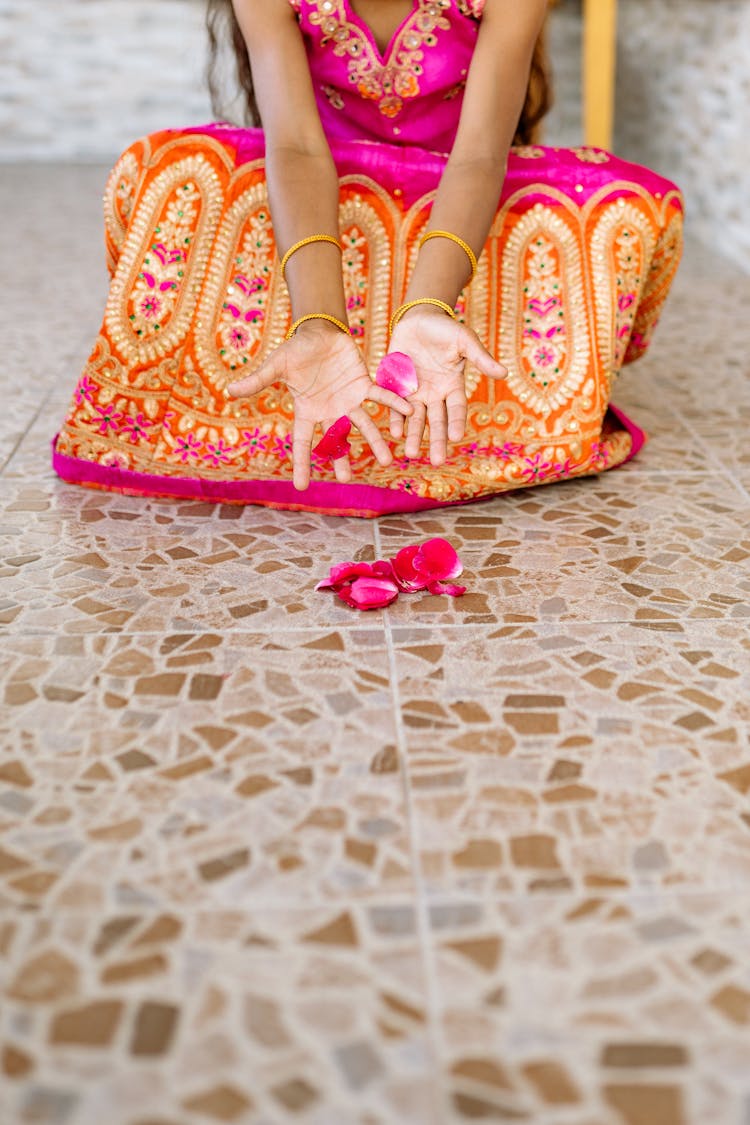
(439, 348)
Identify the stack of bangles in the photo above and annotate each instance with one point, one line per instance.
(403, 309)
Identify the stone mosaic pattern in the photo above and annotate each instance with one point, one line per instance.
(129, 67)
(264, 860)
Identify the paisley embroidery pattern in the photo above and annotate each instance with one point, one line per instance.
(624, 239)
(549, 333)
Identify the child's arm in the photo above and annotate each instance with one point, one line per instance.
(466, 204)
(324, 370)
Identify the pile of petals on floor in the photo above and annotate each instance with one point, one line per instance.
(429, 566)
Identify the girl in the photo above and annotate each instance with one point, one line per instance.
(260, 275)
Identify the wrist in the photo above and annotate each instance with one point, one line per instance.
(439, 307)
(320, 323)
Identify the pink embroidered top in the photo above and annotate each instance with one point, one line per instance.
(411, 94)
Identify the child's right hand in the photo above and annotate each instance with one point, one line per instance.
(328, 379)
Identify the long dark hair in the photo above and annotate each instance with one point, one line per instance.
(222, 26)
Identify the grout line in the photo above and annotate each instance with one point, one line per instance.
(720, 469)
(436, 1037)
(37, 414)
(541, 629)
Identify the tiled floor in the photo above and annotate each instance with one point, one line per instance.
(266, 860)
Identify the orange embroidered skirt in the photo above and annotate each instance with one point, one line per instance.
(569, 288)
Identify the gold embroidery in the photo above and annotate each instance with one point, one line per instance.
(244, 309)
(623, 240)
(391, 80)
(197, 172)
(367, 267)
(589, 155)
(471, 8)
(546, 317)
(119, 195)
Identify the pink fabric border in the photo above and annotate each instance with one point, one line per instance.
(322, 496)
(639, 436)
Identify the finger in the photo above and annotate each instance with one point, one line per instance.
(456, 406)
(390, 398)
(342, 470)
(269, 372)
(438, 432)
(397, 425)
(372, 435)
(302, 439)
(472, 348)
(415, 430)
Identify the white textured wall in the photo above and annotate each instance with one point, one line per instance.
(684, 107)
(80, 78)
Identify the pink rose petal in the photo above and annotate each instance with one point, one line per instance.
(383, 568)
(448, 588)
(420, 566)
(342, 574)
(396, 372)
(403, 569)
(436, 559)
(369, 593)
(333, 443)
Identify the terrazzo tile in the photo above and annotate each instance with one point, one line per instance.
(188, 769)
(551, 760)
(712, 434)
(17, 418)
(666, 548)
(626, 1013)
(317, 1014)
(125, 564)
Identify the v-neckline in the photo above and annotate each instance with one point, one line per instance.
(382, 56)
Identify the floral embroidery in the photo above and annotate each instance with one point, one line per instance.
(136, 428)
(354, 264)
(388, 81)
(84, 389)
(188, 447)
(243, 311)
(282, 447)
(158, 286)
(217, 453)
(254, 441)
(106, 419)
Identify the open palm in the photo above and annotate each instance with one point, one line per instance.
(439, 348)
(328, 379)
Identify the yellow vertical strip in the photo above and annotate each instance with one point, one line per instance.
(599, 63)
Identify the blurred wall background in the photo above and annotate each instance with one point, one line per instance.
(79, 79)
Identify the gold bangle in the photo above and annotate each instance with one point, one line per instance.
(420, 301)
(307, 242)
(459, 242)
(319, 316)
